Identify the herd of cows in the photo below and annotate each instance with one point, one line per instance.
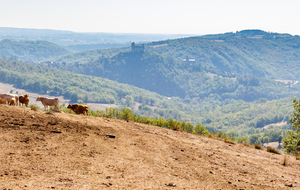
(14, 100)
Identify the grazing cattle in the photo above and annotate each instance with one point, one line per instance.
(79, 108)
(17, 98)
(49, 102)
(13, 101)
(23, 99)
(7, 98)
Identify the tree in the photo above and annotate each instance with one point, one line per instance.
(291, 143)
(200, 130)
(129, 101)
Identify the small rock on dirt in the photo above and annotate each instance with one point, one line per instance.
(55, 131)
(110, 136)
(171, 185)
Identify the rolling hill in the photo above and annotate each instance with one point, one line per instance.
(256, 52)
(30, 51)
(54, 151)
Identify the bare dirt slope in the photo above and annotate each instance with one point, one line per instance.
(35, 156)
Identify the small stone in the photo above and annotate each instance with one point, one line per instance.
(32, 116)
(182, 150)
(291, 185)
(229, 182)
(171, 185)
(108, 177)
(111, 136)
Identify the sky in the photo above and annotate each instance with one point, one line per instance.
(153, 16)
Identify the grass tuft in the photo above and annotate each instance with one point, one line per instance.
(33, 107)
(247, 144)
(229, 141)
(258, 146)
(273, 150)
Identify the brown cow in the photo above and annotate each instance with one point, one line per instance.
(13, 102)
(7, 98)
(79, 108)
(49, 102)
(23, 99)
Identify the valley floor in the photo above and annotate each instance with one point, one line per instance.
(65, 151)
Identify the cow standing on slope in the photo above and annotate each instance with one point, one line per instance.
(79, 108)
(49, 102)
(7, 98)
(23, 99)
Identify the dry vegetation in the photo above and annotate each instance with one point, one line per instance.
(66, 151)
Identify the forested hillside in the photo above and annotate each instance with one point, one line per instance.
(167, 76)
(30, 51)
(254, 52)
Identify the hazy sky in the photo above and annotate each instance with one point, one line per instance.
(153, 16)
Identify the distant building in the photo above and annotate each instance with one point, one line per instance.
(137, 48)
(190, 60)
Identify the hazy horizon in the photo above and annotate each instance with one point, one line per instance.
(192, 17)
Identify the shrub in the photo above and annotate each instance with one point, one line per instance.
(297, 157)
(222, 135)
(273, 150)
(33, 107)
(258, 146)
(242, 140)
(200, 130)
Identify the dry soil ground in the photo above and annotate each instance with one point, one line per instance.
(65, 151)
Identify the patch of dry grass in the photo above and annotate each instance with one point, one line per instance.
(273, 150)
(247, 144)
(33, 107)
(229, 141)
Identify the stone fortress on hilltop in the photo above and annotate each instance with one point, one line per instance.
(137, 48)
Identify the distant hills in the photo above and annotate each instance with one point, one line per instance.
(30, 51)
(88, 41)
(256, 52)
(263, 54)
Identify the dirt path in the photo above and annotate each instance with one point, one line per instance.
(34, 155)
